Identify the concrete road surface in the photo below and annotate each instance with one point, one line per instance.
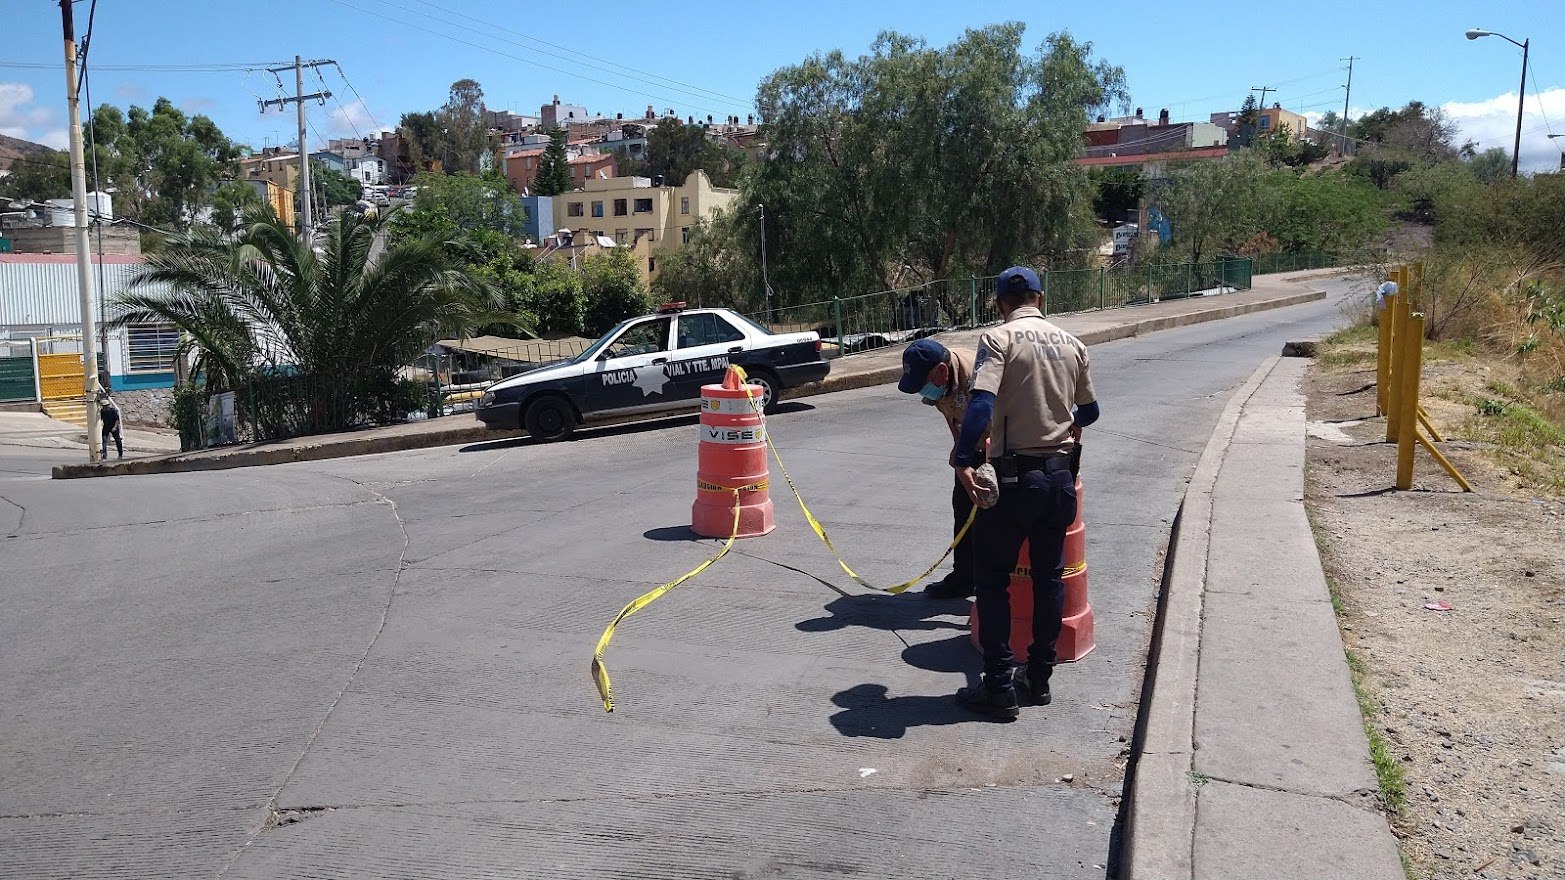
(377, 667)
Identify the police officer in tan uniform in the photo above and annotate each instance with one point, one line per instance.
(1032, 390)
(940, 377)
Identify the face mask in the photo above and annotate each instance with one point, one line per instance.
(931, 393)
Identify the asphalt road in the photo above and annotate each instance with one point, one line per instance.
(377, 667)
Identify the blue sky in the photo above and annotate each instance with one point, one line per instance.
(703, 57)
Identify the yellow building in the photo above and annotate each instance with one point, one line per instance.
(280, 199)
(280, 169)
(638, 215)
(1269, 119)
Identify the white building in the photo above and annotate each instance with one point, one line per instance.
(368, 170)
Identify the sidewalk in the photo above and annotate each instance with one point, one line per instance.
(879, 367)
(1253, 761)
(38, 431)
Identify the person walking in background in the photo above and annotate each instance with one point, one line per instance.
(109, 421)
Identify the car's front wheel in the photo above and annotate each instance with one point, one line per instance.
(550, 418)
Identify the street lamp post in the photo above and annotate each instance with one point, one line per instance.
(1521, 99)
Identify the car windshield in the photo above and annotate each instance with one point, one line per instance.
(593, 349)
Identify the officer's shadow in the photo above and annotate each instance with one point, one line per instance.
(908, 612)
(868, 710)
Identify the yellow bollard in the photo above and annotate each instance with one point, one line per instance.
(1383, 355)
(1394, 381)
(1410, 365)
(1445, 463)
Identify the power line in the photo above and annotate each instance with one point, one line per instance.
(593, 58)
(347, 117)
(513, 57)
(359, 97)
(148, 68)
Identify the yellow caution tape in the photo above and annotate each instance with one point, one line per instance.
(600, 670)
(820, 530)
(749, 487)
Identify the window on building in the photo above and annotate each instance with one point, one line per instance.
(1266, 123)
(622, 236)
(152, 347)
(643, 206)
(684, 235)
(684, 204)
(619, 208)
(645, 233)
(574, 209)
(652, 265)
(705, 329)
(597, 209)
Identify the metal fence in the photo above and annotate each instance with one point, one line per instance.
(876, 320)
(1268, 264)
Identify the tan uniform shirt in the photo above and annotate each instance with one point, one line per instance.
(954, 403)
(1038, 375)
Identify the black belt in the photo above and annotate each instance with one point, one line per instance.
(1046, 463)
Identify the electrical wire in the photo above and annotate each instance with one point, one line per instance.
(148, 68)
(593, 58)
(513, 57)
(359, 97)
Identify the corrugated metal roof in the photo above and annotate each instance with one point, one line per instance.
(40, 289)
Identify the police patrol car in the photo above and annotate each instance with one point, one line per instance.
(649, 365)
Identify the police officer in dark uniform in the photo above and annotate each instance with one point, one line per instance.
(1032, 391)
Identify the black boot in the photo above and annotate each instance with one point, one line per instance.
(1034, 685)
(999, 703)
(952, 586)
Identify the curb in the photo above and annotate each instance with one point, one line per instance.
(261, 455)
(1160, 831)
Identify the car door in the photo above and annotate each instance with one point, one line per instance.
(631, 372)
(704, 344)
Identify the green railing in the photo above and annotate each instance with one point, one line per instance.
(891, 317)
(1298, 261)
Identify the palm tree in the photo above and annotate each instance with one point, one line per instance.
(334, 327)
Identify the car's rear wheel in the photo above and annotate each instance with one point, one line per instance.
(550, 418)
(771, 388)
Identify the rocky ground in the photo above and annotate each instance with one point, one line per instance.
(1468, 703)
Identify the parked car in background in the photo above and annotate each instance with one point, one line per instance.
(652, 365)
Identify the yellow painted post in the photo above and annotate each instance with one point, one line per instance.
(1383, 355)
(1411, 365)
(1394, 381)
(1415, 280)
(1429, 426)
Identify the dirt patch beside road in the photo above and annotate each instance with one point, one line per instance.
(1469, 702)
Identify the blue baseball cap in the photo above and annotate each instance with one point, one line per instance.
(1017, 280)
(919, 358)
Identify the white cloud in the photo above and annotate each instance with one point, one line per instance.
(349, 119)
(18, 118)
(1492, 123)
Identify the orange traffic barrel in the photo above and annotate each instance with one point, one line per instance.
(1077, 638)
(732, 455)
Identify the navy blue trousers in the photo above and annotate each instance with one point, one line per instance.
(1038, 508)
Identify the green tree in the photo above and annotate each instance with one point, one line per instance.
(953, 160)
(714, 268)
(612, 289)
(263, 302)
(454, 203)
(331, 187)
(423, 142)
(676, 149)
(232, 201)
(1324, 213)
(1279, 147)
(554, 293)
(1117, 191)
(37, 177)
(554, 169)
(1216, 205)
(163, 164)
(1493, 164)
(462, 121)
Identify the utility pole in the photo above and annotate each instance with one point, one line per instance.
(1263, 90)
(1345, 98)
(298, 99)
(83, 254)
(766, 283)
